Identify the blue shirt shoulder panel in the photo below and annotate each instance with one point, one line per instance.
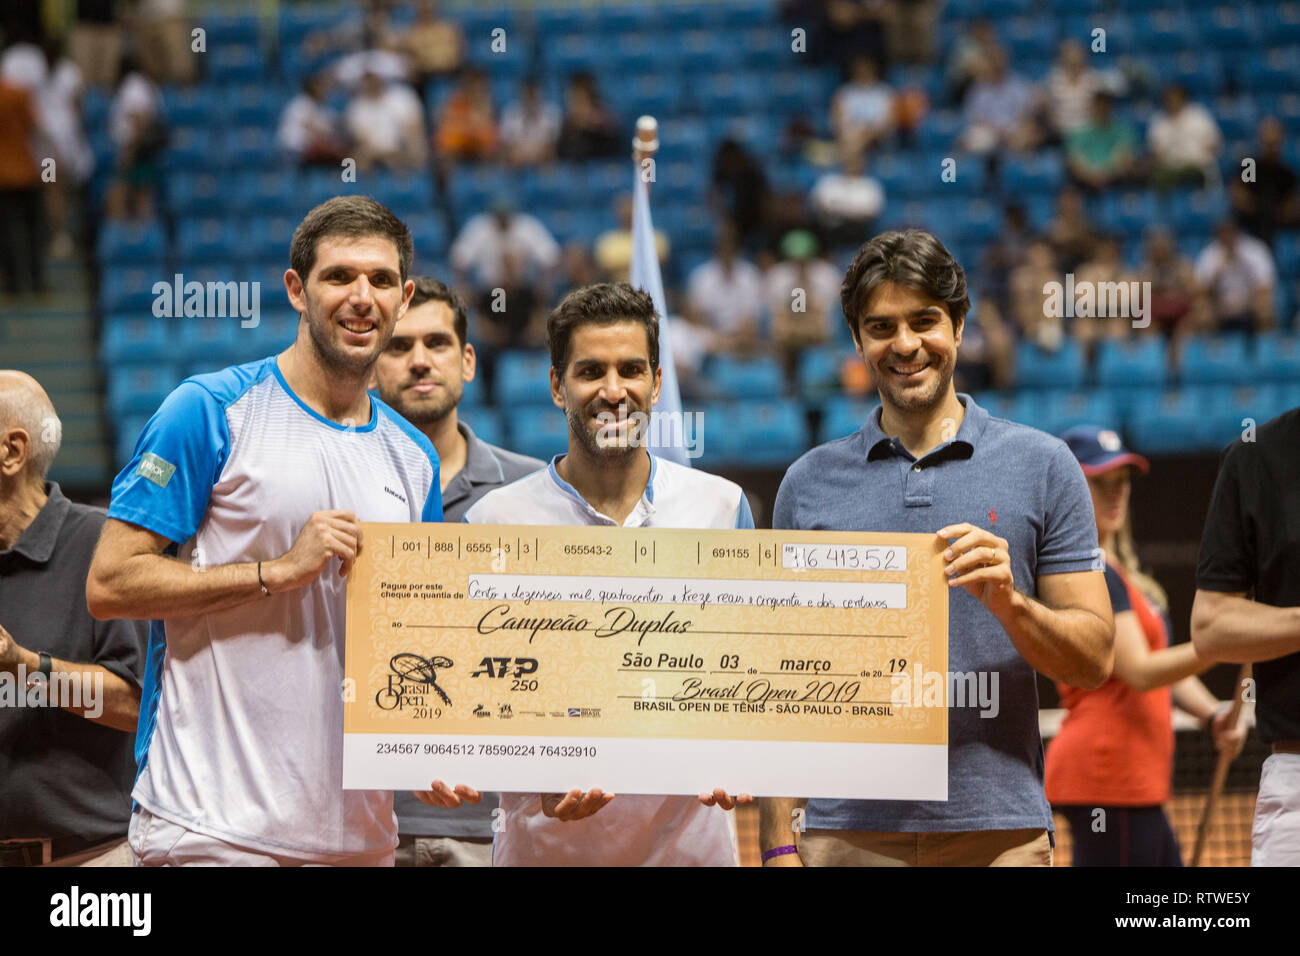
(180, 453)
(432, 510)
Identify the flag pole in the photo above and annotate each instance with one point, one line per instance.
(1220, 769)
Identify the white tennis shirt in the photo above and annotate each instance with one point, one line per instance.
(635, 829)
(241, 721)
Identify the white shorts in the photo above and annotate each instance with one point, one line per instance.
(158, 842)
(1275, 837)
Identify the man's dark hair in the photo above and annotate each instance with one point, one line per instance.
(601, 304)
(352, 217)
(431, 290)
(914, 259)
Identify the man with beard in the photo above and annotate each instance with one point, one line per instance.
(605, 375)
(422, 374)
(1025, 576)
(233, 528)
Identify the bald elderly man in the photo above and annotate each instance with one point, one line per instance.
(69, 685)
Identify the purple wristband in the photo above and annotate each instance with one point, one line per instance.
(779, 851)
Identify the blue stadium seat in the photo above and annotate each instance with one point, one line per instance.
(230, 28)
(581, 51)
(538, 430)
(940, 131)
(1128, 212)
(123, 243)
(198, 105)
(1215, 359)
(1037, 368)
(643, 53)
(752, 433)
(1281, 22)
(128, 428)
(408, 193)
(267, 193)
(234, 63)
(1040, 173)
(1277, 357)
(192, 149)
(1167, 29)
(658, 94)
(132, 338)
(1230, 27)
(129, 290)
(1134, 362)
(1173, 424)
(209, 240)
(746, 378)
(139, 389)
(266, 239)
(486, 424)
(522, 378)
(844, 415)
(215, 340)
(196, 193)
(258, 105)
(250, 148)
(728, 94)
(1276, 69)
(819, 371)
(1067, 409)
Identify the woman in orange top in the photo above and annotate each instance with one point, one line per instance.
(1109, 768)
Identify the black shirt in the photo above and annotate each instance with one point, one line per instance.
(61, 775)
(1252, 543)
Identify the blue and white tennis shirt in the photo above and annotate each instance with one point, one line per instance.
(241, 722)
(635, 829)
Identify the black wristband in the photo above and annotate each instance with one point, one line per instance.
(46, 665)
(260, 582)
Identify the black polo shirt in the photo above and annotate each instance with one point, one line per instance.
(61, 775)
(1252, 543)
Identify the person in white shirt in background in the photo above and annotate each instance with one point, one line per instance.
(862, 110)
(803, 295)
(846, 203)
(1184, 141)
(725, 295)
(386, 122)
(1237, 275)
(530, 128)
(605, 374)
(55, 85)
(309, 128)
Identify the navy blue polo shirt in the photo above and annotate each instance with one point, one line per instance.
(1021, 484)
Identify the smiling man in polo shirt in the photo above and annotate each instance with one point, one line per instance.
(1026, 588)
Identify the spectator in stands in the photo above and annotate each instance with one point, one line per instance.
(65, 768)
(54, 85)
(862, 110)
(910, 30)
(1069, 90)
(854, 28)
(1175, 307)
(530, 128)
(162, 33)
(1270, 200)
(977, 46)
(371, 45)
(434, 46)
(1071, 234)
(1236, 273)
(725, 295)
(1004, 254)
(1115, 750)
(1184, 142)
(802, 294)
(740, 190)
(96, 41)
(1105, 266)
(590, 130)
(1030, 317)
(1102, 154)
(846, 203)
(999, 110)
(139, 133)
(22, 260)
(467, 129)
(309, 128)
(385, 122)
(508, 259)
(612, 251)
(987, 350)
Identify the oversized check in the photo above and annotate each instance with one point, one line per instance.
(540, 659)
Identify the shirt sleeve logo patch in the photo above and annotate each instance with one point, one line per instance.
(155, 469)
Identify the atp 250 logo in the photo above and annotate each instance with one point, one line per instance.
(516, 668)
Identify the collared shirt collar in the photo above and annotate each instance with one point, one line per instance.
(961, 445)
(38, 541)
(645, 505)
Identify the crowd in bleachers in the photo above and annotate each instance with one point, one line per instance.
(791, 131)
